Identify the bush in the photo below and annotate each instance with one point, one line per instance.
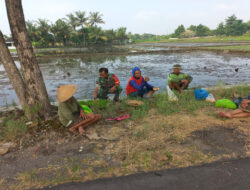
(188, 34)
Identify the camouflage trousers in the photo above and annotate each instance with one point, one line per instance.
(103, 93)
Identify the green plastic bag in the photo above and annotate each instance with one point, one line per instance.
(85, 108)
(225, 103)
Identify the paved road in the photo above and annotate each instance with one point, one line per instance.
(230, 175)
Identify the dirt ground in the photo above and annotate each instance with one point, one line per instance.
(121, 148)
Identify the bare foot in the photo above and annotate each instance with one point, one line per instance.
(223, 114)
(81, 130)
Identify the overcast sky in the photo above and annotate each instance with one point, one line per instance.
(139, 16)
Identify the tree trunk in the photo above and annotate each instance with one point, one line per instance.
(13, 72)
(32, 75)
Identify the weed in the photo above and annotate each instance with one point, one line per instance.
(73, 167)
(13, 129)
(27, 178)
(169, 156)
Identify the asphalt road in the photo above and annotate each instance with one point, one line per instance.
(228, 175)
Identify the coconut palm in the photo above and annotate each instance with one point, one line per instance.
(81, 18)
(95, 18)
(96, 34)
(43, 32)
(82, 21)
(72, 20)
(32, 30)
(61, 31)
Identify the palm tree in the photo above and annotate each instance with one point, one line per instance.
(96, 34)
(43, 32)
(81, 18)
(82, 21)
(72, 20)
(32, 30)
(95, 18)
(61, 31)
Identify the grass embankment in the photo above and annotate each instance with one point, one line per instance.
(209, 39)
(13, 125)
(160, 134)
(241, 48)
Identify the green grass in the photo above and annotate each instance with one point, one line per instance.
(186, 103)
(233, 48)
(12, 129)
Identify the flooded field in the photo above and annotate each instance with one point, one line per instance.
(206, 68)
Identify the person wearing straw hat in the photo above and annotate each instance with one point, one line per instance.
(70, 112)
(177, 80)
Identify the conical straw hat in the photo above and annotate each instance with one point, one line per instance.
(65, 92)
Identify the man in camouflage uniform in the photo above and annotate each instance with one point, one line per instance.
(106, 84)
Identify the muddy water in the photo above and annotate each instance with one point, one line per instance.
(206, 68)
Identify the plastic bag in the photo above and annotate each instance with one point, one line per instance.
(171, 96)
(225, 103)
(200, 94)
(210, 98)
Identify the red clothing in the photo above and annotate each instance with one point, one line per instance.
(130, 88)
(117, 81)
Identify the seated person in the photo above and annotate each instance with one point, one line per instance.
(107, 84)
(137, 86)
(177, 80)
(70, 113)
(243, 111)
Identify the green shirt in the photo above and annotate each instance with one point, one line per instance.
(68, 111)
(178, 78)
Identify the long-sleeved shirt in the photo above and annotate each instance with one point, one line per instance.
(140, 87)
(172, 77)
(68, 111)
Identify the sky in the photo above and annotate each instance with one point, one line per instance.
(138, 16)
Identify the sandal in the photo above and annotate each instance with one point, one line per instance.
(126, 116)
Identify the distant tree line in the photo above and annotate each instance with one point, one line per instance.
(77, 29)
(231, 27)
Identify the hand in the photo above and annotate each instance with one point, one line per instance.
(184, 81)
(156, 89)
(82, 114)
(86, 116)
(146, 79)
(112, 89)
